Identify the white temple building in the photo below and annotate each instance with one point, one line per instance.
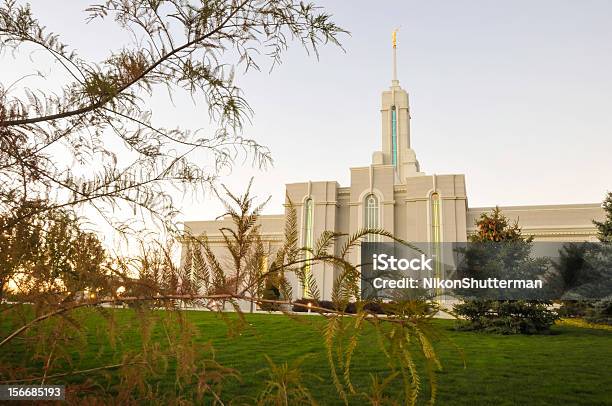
(395, 193)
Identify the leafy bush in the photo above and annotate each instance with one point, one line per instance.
(326, 304)
(351, 307)
(600, 313)
(594, 311)
(575, 308)
(505, 317)
(271, 292)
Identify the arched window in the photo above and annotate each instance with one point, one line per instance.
(308, 238)
(393, 135)
(372, 215)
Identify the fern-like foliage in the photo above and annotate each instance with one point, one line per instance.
(109, 152)
(217, 275)
(404, 332)
(285, 385)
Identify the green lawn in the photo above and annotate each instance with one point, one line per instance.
(572, 366)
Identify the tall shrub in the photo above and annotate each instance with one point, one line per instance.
(505, 317)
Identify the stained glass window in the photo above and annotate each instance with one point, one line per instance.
(394, 136)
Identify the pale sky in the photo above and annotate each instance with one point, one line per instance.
(516, 95)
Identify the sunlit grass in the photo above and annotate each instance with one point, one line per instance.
(570, 366)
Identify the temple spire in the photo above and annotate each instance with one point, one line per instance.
(394, 81)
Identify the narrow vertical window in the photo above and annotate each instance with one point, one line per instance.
(435, 218)
(308, 238)
(393, 136)
(372, 216)
(436, 238)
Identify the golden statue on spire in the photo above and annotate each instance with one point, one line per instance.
(394, 55)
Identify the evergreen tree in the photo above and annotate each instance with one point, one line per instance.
(496, 227)
(604, 228)
(490, 258)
